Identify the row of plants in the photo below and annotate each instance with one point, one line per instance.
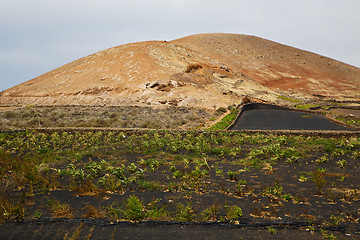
(42, 149)
(180, 165)
(226, 121)
(134, 209)
(352, 121)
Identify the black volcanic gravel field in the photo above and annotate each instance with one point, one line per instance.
(256, 116)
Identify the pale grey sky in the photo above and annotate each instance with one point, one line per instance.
(37, 36)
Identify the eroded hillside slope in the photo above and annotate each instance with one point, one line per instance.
(202, 71)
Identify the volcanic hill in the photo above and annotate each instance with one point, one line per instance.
(203, 71)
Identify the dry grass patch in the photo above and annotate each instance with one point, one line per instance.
(112, 117)
(60, 210)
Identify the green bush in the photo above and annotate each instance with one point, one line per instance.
(233, 212)
(318, 177)
(134, 209)
(185, 213)
(221, 110)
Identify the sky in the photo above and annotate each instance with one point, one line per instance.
(37, 36)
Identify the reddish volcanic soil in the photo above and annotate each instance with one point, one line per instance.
(202, 71)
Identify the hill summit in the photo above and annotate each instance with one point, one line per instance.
(202, 71)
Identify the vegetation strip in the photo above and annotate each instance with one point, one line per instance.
(311, 133)
(226, 121)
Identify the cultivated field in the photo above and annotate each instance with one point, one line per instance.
(226, 182)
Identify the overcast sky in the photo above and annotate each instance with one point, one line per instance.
(37, 36)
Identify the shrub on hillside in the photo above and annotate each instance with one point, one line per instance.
(192, 67)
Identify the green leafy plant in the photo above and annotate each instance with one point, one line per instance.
(232, 175)
(322, 159)
(37, 214)
(326, 235)
(150, 185)
(156, 213)
(304, 176)
(287, 197)
(275, 190)
(153, 164)
(185, 212)
(203, 163)
(271, 230)
(341, 178)
(115, 210)
(219, 172)
(242, 188)
(341, 163)
(110, 183)
(335, 220)
(177, 174)
(242, 183)
(318, 177)
(233, 212)
(132, 168)
(210, 213)
(134, 208)
(311, 229)
(95, 169)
